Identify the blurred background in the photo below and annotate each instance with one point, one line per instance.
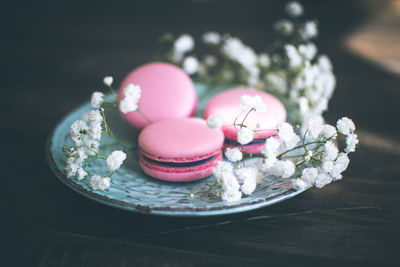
(55, 53)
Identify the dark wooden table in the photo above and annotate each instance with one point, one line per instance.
(55, 54)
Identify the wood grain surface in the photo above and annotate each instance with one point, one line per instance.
(54, 54)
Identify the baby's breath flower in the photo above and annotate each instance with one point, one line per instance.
(132, 94)
(97, 99)
(283, 168)
(128, 105)
(94, 116)
(108, 80)
(327, 166)
(229, 182)
(71, 168)
(277, 81)
(233, 154)
(286, 133)
(295, 60)
(81, 174)
(322, 180)
(184, 44)
(324, 63)
(215, 121)
(309, 30)
(309, 175)
(222, 169)
(284, 27)
(94, 182)
(308, 50)
(269, 162)
(294, 9)
(299, 184)
(271, 146)
(190, 65)
(264, 60)
(351, 142)
(132, 91)
(232, 195)
(345, 126)
(249, 185)
(115, 160)
(245, 136)
(308, 155)
(213, 38)
(246, 173)
(328, 131)
(330, 151)
(104, 183)
(252, 102)
(77, 130)
(95, 131)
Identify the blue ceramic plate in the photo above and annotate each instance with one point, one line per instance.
(131, 189)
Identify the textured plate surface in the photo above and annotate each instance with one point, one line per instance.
(131, 189)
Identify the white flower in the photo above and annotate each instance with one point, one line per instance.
(340, 165)
(309, 30)
(230, 183)
(108, 80)
(249, 185)
(252, 102)
(190, 65)
(309, 175)
(308, 50)
(115, 160)
(97, 99)
(77, 130)
(314, 127)
(245, 135)
(94, 182)
(184, 44)
(132, 91)
(215, 121)
(235, 50)
(264, 60)
(79, 155)
(210, 60)
(269, 162)
(211, 38)
(351, 142)
(327, 166)
(127, 105)
(283, 168)
(104, 183)
(303, 104)
(284, 27)
(324, 63)
(294, 9)
(233, 154)
(299, 184)
(328, 131)
(286, 133)
(322, 180)
(81, 174)
(345, 126)
(295, 60)
(71, 168)
(271, 146)
(246, 173)
(308, 155)
(222, 169)
(94, 116)
(276, 81)
(93, 144)
(132, 94)
(230, 196)
(95, 131)
(330, 151)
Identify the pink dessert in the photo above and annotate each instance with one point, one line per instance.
(180, 150)
(167, 92)
(265, 123)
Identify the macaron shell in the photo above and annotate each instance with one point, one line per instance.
(167, 92)
(178, 139)
(227, 104)
(174, 174)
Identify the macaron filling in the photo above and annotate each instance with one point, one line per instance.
(179, 164)
(235, 143)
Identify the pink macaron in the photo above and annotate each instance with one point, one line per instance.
(167, 92)
(180, 150)
(227, 104)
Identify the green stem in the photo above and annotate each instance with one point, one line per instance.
(144, 115)
(109, 132)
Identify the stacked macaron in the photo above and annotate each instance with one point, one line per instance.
(174, 147)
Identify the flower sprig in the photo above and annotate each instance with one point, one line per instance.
(289, 67)
(311, 160)
(87, 132)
